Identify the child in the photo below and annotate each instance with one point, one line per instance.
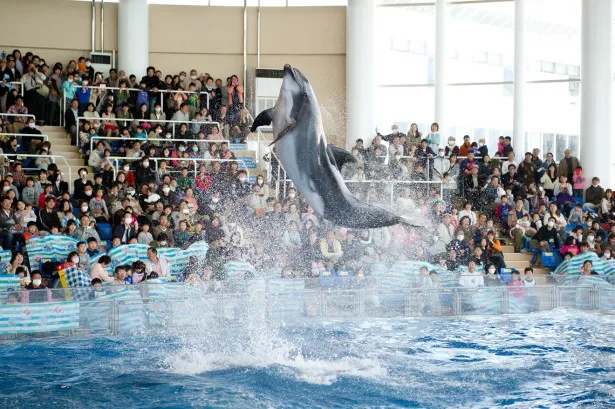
(69, 216)
(516, 285)
(115, 242)
(578, 182)
(140, 133)
(145, 237)
(576, 215)
(32, 231)
(84, 257)
(98, 288)
(142, 95)
(194, 100)
(30, 193)
(92, 249)
(501, 146)
(502, 211)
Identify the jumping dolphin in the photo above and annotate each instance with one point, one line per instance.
(312, 165)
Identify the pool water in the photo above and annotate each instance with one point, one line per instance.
(560, 358)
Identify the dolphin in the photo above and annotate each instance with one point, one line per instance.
(312, 164)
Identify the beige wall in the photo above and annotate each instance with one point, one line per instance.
(210, 39)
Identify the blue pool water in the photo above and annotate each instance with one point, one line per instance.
(560, 358)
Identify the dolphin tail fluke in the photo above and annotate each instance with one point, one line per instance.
(263, 119)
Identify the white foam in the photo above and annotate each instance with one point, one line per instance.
(267, 350)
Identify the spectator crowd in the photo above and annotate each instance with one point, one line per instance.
(476, 201)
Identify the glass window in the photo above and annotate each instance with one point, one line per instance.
(553, 39)
(470, 107)
(548, 144)
(483, 36)
(404, 106)
(553, 108)
(561, 144)
(405, 45)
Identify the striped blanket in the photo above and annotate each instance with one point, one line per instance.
(29, 318)
(574, 265)
(50, 247)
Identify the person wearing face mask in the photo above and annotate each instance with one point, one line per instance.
(441, 165)
(241, 187)
(80, 184)
(491, 278)
(145, 174)
(451, 147)
(126, 230)
(157, 115)
(461, 247)
(264, 188)
(36, 291)
(541, 239)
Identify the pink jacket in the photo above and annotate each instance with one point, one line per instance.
(578, 181)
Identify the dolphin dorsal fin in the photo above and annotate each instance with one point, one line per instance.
(340, 156)
(263, 119)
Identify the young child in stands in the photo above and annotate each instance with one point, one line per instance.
(576, 215)
(140, 133)
(31, 231)
(517, 285)
(92, 249)
(578, 182)
(25, 213)
(68, 215)
(145, 237)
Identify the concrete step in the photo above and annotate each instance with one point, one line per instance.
(517, 257)
(519, 265)
(508, 249)
(51, 128)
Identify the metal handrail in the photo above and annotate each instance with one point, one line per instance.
(53, 157)
(117, 159)
(170, 121)
(19, 115)
(26, 135)
(117, 138)
(20, 84)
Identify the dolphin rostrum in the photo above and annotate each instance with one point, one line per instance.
(312, 165)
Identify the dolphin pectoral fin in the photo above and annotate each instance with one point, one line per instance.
(263, 119)
(407, 222)
(284, 132)
(341, 156)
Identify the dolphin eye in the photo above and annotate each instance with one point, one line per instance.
(304, 95)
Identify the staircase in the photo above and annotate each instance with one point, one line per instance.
(61, 146)
(520, 261)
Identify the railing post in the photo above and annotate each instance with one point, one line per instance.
(115, 321)
(505, 301)
(456, 302)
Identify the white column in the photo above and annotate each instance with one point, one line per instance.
(133, 37)
(597, 156)
(440, 69)
(518, 141)
(360, 71)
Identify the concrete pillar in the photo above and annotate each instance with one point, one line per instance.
(440, 70)
(360, 71)
(596, 145)
(519, 143)
(133, 37)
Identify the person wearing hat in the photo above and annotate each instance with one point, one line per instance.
(527, 170)
(472, 185)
